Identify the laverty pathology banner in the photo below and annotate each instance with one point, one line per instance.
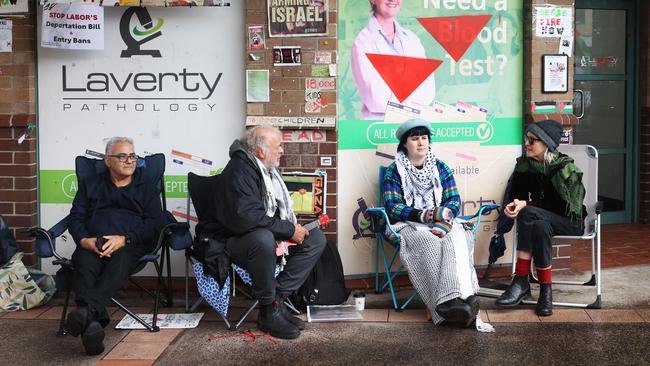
(163, 79)
(455, 63)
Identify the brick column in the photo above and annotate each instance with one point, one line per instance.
(18, 203)
(287, 97)
(534, 48)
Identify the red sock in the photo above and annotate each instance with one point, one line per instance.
(544, 276)
(523, 267)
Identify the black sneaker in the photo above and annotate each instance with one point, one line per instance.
(78, 320)
(456, 311)
(93, 338)
(272, 321)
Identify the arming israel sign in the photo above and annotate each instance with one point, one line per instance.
(162, 79)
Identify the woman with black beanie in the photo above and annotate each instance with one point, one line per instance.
(546, 197)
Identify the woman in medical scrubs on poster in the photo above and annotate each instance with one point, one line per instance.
(384, 35)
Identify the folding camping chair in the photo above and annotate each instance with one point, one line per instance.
(153, 168)
(380, 223)
(202, 191)
(586, 158)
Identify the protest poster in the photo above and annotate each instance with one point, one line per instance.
(5, 35)
(290, 18)
(73, 26)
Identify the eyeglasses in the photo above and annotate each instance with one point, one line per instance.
(124, 157)
(530, 140)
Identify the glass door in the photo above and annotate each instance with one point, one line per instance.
(605, 99)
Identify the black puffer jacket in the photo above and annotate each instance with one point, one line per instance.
(239, 200)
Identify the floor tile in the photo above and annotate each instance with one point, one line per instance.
(143, 351)
(26, 314)
(408, 316)
(125, 362)
(54, 313)
(645, 314)
(164, 335)
(118, 314)
(614, 316)
(512, 316)
(566, 316)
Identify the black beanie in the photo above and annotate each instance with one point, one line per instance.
(548, 131)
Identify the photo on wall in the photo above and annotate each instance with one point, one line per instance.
(307, 191)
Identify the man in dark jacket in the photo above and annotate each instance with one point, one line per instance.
(121, 211)
(253, 211)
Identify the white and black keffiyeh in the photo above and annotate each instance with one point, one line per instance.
(421, 186)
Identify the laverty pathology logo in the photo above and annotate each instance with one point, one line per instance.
(129, 35)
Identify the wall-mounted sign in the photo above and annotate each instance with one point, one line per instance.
(303, 136)
(286, 56)
(307, 191)
(555, 73)
(257, 86)
(256, 37)
(73, 26)
(553, 21)
(15, 6)
(293, 122)
(5, 35)
(290, 18)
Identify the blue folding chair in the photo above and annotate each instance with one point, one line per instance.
(173, 233)
(379, 224)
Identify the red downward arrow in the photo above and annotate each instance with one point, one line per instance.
(403, 74)
(455, 34)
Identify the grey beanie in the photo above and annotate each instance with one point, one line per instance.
(549, 131)
(410, 124)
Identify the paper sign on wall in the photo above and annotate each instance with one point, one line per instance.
(73, 26)
(5, 35)
(553, 22)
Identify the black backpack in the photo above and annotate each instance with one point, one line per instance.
(325, 284)
(8, 245)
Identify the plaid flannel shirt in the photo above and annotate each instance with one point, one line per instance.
(397, 209)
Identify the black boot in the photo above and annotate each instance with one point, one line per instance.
(544, 305)
(456, 311)
(78, 320)
(93, 338)
(281, 298)
(515, 293)
(272, 321)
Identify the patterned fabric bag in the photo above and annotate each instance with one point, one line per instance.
(21, 289)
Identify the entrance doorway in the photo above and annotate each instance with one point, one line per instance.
(606, 102)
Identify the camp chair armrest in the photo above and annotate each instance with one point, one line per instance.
(599, 207)
(483, 210)
(45, 239)
(380, 213)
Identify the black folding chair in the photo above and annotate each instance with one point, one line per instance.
(153, 169)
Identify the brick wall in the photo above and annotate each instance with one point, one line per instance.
(287, 96)
(644, 128)
(534, 48)
(17, 110)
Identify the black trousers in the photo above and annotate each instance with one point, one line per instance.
(255, 252)
(535, 229)
(97, 280)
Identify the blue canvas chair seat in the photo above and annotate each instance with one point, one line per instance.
(152, 168)
(386, 235)
(219, 298)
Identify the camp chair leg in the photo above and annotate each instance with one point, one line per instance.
(243, 317)
(379, 247)
(293, 309)
(159, 284)
(168, 292)
(415, 293)
(195, 305)
(136, 316)
(62, 329)
(389, 279)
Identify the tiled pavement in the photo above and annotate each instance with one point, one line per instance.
(151, 345)
(621, 245)
(617, 252)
